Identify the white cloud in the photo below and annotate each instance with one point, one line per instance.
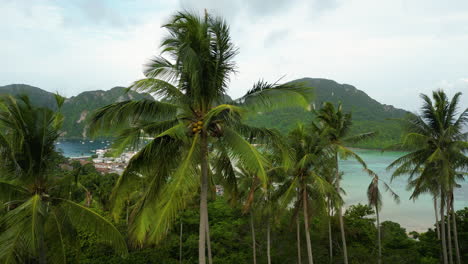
(393, 50)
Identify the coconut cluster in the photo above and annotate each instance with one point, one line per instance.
(197, 126)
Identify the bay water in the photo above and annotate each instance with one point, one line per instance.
(417, 215)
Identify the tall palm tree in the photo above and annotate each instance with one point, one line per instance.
(247, 192)
(333, 199)
(455, 232)
(306, 184)
(338, 124)
(427, 186)
(374, 197)
(438, 148)
(263, 202)
(193, 117)
(39, 224)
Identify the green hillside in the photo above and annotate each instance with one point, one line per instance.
(40, 97)
(368, 114)
(76, 109)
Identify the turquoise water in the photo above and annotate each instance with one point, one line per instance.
(414, 215)
(80, 148)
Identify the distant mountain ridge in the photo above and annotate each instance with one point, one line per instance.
(76, 109)
(368, 114)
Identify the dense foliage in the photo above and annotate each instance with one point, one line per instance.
(231, 237)
(39, 221)
(231, 240)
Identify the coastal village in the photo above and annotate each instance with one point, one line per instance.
(106, 163)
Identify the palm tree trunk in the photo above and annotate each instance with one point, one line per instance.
(436, 217)
(449, 232)
(42, 249)
(268, 242)
(379, 240)
(298, 237)
(208, 242)
(203, 200)
(180, 241)
(252, 229)
(330, 242)
(455, 233)
(343, 236)
(127, 212)
(442, 227)
(340, 215)
(306, 226)
(89, 198)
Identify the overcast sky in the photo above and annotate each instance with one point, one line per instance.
(393, 50)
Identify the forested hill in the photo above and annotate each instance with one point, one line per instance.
(76, 109)
(368, 114)
(38, 96)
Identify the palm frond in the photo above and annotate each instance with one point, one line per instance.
(346, 152)
(86, 219)
(140, 170)
(56, 238)
(152, 224)
(246, 154)
(395, 196)
(360, 137)
(158, 88)
(122, 114)
(9, 191)
(23, 231)
(265, 96)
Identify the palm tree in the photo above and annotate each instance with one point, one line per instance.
(306, 184)
(374, 197)
(431, 187)
(298, 236)
(193, 117)
(338, 125)
(264, 202)
(455, 232)
(333, 199)
(437, 146)
(249, 186)
(39, 224)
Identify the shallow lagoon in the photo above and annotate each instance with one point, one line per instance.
(414, 215)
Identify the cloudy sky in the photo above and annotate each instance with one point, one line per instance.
(393, 50)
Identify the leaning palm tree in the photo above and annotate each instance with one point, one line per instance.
(39, 224)
(306, 183)
(257, 200)
(338, 125)
(374, 197)
(247, 191)
(332, 200)
(192, 118)
(438, 148)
